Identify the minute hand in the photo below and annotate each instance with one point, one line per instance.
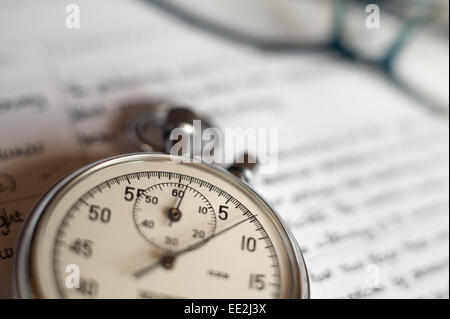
(192, 247)
(148, 268)
(226, 229)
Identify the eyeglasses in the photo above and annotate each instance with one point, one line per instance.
(405, 39)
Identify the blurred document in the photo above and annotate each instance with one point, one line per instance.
(362, 179)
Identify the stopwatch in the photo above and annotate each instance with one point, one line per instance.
(142, 225)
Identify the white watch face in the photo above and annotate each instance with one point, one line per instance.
(142, 226)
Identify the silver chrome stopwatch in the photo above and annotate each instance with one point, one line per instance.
(144, 226)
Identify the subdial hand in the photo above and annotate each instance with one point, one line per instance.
(167, 261)
(174, 214)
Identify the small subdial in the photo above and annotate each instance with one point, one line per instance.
(174, 216)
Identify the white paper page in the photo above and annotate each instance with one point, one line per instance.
(363, 169)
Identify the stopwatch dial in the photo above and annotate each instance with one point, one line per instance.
(144, 227)
(174, 216)
(179, 237)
